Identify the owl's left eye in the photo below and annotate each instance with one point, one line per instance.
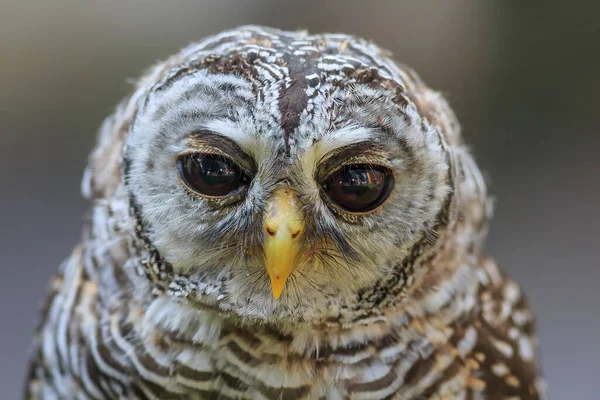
(211, 175)
(360, 188)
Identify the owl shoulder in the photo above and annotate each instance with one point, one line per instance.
(503, 358)
(71, 353)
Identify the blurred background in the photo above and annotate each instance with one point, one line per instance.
(524, 78)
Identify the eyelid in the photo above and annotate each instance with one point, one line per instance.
(333, 166)
(200, 142)
(246, 167)
(367, 152)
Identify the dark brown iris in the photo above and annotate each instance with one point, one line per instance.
(360, 187)
(210, 174)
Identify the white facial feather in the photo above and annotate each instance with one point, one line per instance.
(209, 243)
(178, 225)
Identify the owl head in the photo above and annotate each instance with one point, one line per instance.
(284, 176)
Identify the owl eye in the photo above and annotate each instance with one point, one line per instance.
(360, 188)
(210, 174)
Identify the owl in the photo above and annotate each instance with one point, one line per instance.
(279, 215)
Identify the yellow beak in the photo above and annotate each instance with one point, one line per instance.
(283, 227)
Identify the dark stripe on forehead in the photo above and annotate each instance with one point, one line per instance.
(293, 98)
(284, 59)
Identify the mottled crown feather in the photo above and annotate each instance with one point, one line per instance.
(344, 58)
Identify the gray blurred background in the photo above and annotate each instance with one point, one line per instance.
(524, 78)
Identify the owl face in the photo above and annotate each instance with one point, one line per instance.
(284, 187)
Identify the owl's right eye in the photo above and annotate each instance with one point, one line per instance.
(211, 175)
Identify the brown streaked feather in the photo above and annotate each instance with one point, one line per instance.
(445, 323)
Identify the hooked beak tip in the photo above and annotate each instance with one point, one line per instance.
(277, 286)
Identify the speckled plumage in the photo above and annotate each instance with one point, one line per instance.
(166, 297)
